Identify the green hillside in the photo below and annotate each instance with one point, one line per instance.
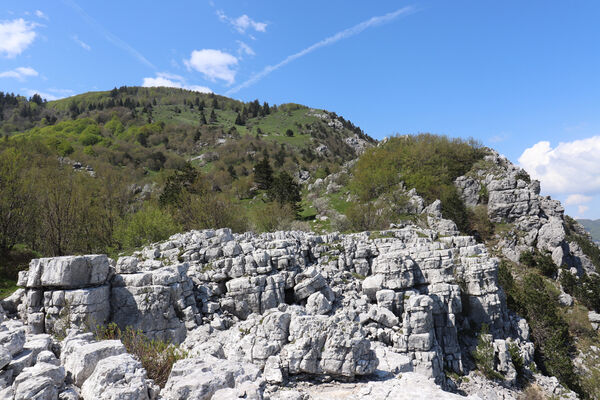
(109, 171)
(592, 226)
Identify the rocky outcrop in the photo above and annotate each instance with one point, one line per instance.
(257, 311)
(536, 222)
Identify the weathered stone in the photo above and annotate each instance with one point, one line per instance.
(68, 272)
(80, 357)
(119, 377)
(41, 381)
(200, 377)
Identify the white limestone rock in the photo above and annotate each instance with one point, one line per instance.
(200, 377)
(68, 271)
(119, 377)
(80, 355)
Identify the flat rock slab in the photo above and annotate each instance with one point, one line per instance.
(68, 272)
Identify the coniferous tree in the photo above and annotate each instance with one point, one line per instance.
(263, 174)
(285, 191)
(239, 120)
(213, 117)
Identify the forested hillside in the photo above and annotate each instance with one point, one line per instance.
(110, 171)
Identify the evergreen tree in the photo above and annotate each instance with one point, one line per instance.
(285, 191)
(263, 174)
(202, 118)
(239, 120)
(213, 117)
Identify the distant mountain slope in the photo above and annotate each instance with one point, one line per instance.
(592, 226)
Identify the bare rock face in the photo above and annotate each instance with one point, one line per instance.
(203, 376)
(118, 377)
(66, 272)
(324, 345)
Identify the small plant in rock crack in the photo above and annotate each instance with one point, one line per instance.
(156, 356)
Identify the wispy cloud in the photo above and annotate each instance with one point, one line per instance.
(16, 36)
(20, 73)
(502, 137)
(345, 34)
(41, 15)
(108, 35)
(577, 199)
(244, 49)
(80, 42)
(172, 80)
(242, 23)
(49, 94)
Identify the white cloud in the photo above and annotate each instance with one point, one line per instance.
(346, 33)
(80, 42)
(19, 73)
(213, 64)
(570, 167)
(16, 36)
(575, 199)
(41, 15)
(171, 80)
(244, 49)
(242, 23)
(582, 209)
(49, 94)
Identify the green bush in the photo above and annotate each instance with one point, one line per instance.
(549, 330)
(149, 224)
(157, 356)
(426, 162)
(272, 216)
(534, 300)
(543, 262)
(484, 354)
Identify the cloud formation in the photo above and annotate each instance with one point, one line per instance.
(49, 94)
(213, 64)
(108, 35)
(346, 33)
(41, 15)
(244, 49)
(242, 23)
(171, 80)
(20, 73)
(16, 36)
(80, 42)
(577, 199)
(568, 168)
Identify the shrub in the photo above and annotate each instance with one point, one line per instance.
(549, 331)
(149, 224)
(156, 356)
(479, 223)
(272, 216)
(426, 162)
(517, 360)
(543, 262)
(366, 217)
(484, 354)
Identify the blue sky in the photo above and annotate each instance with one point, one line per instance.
(521, 77)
